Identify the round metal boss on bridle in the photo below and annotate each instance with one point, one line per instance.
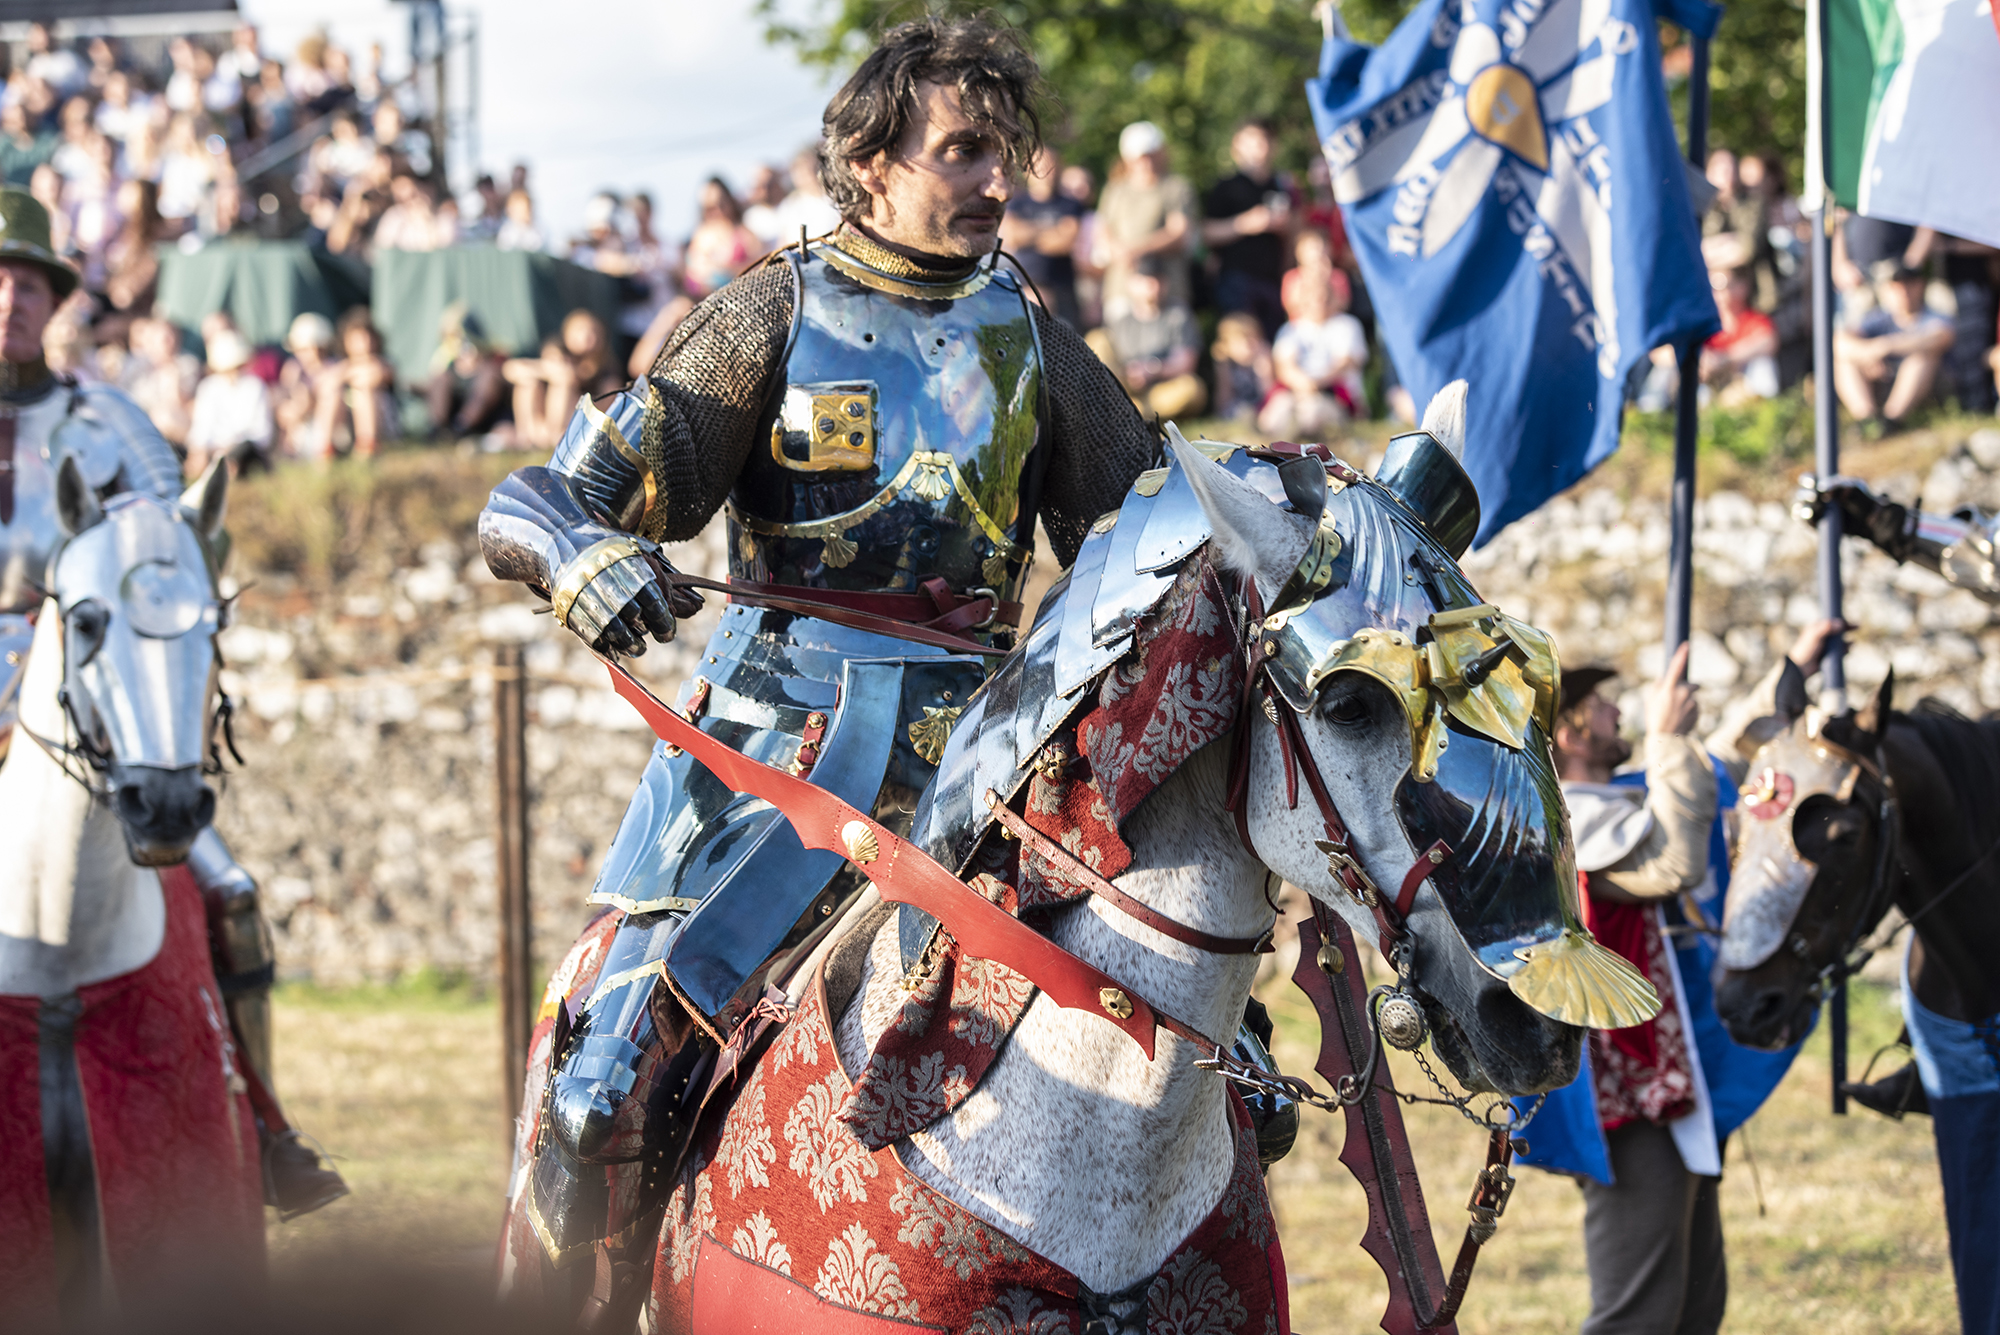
(1401, 1021)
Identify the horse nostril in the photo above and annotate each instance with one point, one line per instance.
(204, 807)
(134, 806)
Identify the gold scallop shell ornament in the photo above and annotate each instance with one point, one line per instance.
(1576, 980)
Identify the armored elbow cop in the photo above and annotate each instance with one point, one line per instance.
(600, 456)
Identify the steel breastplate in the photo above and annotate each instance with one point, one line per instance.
(901, 436)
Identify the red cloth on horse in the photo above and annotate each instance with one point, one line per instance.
(799, 1226)
(1176, 693)
(179, 1185)
(1643, 1073)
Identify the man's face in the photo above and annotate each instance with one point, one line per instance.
(1252, 150)
(1902, 299)
(946, 187)
(1597, 742)
(27, 300)
(1143, 290)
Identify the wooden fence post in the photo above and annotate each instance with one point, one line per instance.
(517, 1001)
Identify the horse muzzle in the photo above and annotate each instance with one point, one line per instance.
(160, 810)
(1770, 1007)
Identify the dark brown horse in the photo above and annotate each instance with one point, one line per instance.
(1841, 818)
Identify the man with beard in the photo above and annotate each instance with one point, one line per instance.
(884, 416)
(1666, 1093)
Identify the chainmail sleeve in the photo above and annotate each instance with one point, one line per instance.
(714, 382)
(1101, 444)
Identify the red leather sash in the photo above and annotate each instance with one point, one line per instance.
(935, 617)
(905, 874)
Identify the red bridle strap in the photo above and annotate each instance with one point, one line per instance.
(1342, 860)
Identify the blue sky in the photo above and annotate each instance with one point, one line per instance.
(622, 93)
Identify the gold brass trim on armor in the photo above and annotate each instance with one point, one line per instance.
(1116, 1004)
(933, 474)
(929, 733)
(664, 904)
(586, 566)
(1577, 981)
(860, 843)
(600, 422)
(869, 276)
(837, 422)
(650, 969)
(1149, 482)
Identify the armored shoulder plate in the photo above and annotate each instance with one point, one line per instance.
(901, 436)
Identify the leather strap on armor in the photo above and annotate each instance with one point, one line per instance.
(1074, 869)
(837, 606)
(905, 874)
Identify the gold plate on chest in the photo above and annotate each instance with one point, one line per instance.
(826, 428)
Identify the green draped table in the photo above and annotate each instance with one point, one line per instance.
(262, 284)
(519, 297)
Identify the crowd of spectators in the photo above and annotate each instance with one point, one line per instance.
(1241, 300)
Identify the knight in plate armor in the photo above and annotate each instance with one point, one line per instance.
(44, 416)
(1960, 545)
(883, 413)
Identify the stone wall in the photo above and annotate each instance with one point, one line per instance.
(367, 809)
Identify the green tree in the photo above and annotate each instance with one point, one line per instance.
(1197, 67)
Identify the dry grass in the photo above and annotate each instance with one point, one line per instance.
(1851, 1235)
(404, 1085)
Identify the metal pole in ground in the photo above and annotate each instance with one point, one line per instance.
(510, 734)
(1826, 435)
(1687, 404)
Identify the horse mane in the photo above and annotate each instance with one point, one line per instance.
(1967, 750)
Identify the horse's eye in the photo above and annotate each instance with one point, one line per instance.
(86, 623)
(1346, 711)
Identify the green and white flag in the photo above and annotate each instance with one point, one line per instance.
(1911, 130)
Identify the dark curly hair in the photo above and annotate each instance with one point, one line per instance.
(999, 87)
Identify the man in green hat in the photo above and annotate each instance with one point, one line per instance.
(120, 451)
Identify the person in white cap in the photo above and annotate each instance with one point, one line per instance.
(1145, 211)
(232, 409)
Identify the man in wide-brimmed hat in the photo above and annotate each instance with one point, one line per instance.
(34, 282)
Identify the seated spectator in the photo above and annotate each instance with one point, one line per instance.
(806, 208)
(160, 377)
(46, 186)
(231, 418)
(72, 155)
(602, 246)
(1886, 366)
(121, 108)
(362, 205)
(760, 205)
(357, 396)
(306, 74)
(1739, 364)
(1040, 232)
(275, 114)
(411, 222)
(21, 149)
(394, 137)
(721, 245)
(186, 170)
(466, 392)
(1243, 371)
(484, 225)
(519, 232)
(1312, 261)
(222, 212)
(90, 198)
(576, 362)
(294, 400)
(343, 154)
(66, 342)
(53, 63)
(1317, 358)
(1152, 348)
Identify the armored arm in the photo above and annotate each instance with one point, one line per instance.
(1959, 546)
(651, 464)
(1100, 443)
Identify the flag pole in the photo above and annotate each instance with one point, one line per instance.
(1826, 437)
(1680, 562)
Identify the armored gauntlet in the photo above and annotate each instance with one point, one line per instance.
(568, 530)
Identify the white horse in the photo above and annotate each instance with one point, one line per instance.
(1075, 1152)
(103, 954)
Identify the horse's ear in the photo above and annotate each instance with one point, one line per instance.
(1873, 718)
(207, 497)
(77, 506)
(1252, 536)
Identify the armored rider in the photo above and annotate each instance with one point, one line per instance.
(883, 413)
(1961, 545)
(43, 415)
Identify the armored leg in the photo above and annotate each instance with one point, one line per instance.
(296, 1180)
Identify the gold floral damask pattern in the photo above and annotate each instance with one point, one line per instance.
(784, 1182)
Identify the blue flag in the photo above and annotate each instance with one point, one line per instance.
(1513, 188)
